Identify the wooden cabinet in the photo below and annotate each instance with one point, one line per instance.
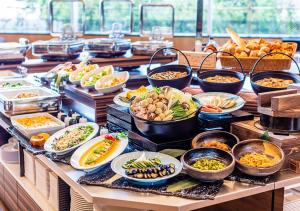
(10, 191)
(25, 202)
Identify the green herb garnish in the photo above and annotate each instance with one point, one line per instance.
(178, 110)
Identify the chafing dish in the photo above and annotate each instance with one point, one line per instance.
(107, 47)
(8, 74)
(150, 47)
(157, 35)
(17, 83)
(46, 100)
(66, 44)
(13, 52)
(58, 49)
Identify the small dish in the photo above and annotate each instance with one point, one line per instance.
(215, 135)
(192, 155)
(117, 164)
(123, 76)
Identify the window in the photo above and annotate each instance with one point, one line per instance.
(252, 17)
(31, 16)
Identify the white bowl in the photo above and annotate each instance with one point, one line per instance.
(91, 73)
(117, 164)
(48, 145)
(121, 75)
(81, 150)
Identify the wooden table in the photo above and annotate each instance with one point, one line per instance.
(233, 195)
(128, 60)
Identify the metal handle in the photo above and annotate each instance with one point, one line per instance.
(272, 53)
(169, 48)
(216, 52)
(102, 13)
(51, 17)
(156, 5)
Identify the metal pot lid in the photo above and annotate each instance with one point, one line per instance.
(153, 43)
(107, 41)
(59, 42)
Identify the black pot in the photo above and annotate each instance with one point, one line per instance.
(232, 88)
(178, 83)
(275, 74)
(168, 130)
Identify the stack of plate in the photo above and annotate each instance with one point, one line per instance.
(42, 182)
(29, 166)
(79, 203)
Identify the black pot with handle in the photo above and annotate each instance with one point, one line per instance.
(254, 77)
(178, 83)
(232, 88)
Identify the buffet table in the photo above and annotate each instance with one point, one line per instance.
(233, 195)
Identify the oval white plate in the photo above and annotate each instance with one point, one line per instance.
(117, 164)
(89, 74)
(50, 141)
(81, 150)
(204, 98)
(122, 75)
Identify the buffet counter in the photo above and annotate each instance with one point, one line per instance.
(230, 193)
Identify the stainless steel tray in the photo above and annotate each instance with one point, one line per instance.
(107, 46)
(58, 49)
(8, 74)
(6, 84)
(13, 52)
(149, 47)
(47, 100)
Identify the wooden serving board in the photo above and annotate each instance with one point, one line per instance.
(284, 103)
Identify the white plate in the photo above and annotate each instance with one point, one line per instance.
(119, 102)
(91, 73)
(204, 98)
(50, 141)
(33, 131)
(121, 75)
(81, 150)
(117, 164)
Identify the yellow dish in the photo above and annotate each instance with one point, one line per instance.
(99, 152)
(36, 122)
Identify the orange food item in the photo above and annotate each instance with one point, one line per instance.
(45, 135)
(37, 141)
(211, 109)
(216, 144)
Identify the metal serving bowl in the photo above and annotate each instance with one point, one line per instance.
(178, 83)
(192, 155)
(207, 86)
(256, 145)
(274, 74)
(215, 135)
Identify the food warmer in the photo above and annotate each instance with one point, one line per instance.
(13, 52)
(157, 35)
(115, 44)
(45, 100)
(65, 45)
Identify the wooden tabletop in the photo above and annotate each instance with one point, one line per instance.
(114, 197)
